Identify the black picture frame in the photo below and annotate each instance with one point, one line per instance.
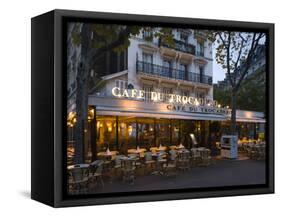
(48, 88)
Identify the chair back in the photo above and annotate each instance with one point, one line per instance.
(94, 165)
(99, 168)
(78, 173)
(183, 156)
(148, 156)
(118, 160)
(134, 156)
(173, 155)
(127, 164)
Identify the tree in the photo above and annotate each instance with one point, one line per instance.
(94, 40)
(250, 96)
(235, 52)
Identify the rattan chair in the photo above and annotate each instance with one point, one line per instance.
(78, 179)
(128, 169)
(183, 161)
(148, 161)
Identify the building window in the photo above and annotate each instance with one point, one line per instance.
(166, 92)
(200, 94)
(183, 73)
(200, 49)
(201, 74)
(184, 92)
(167, 68)
(184, 37)
(121, 84)
(148, 58)
(127, 132)
(147, 62)
(147, 92)
(106, 133)
(147, 35)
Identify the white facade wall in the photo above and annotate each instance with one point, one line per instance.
(135, 52)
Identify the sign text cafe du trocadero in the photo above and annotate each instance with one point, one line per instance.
(175, 102)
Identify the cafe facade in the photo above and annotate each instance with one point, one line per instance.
(159, 96)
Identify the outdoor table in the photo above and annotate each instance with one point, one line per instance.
(183, 150)
(136, 151)
(173, 147)
(78, 166)
(180, 147)
(107, 154)
(153, 149)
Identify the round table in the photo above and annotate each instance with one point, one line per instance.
(78, 166)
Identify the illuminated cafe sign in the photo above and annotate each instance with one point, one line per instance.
(198, 109)
(176, 102)
(159, 97)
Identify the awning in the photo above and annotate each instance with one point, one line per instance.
(153, 114)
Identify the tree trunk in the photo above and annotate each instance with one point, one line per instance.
(81, 115)
(82, 94)
(233, 129)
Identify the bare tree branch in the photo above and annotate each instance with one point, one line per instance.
(228, 60)
(254, 45)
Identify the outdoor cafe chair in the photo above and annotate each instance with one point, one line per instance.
(195, 157)
(183, 162)
(97, 177)
(149, 162)
(128, 169)
(206, 157)
(78, 178)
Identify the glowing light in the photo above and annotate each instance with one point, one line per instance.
(130, 130)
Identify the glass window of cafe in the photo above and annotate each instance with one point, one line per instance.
(124, 132)
(148, 132)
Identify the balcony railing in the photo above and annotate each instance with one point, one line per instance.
(200, 53)
(167, 72)
(181, 46)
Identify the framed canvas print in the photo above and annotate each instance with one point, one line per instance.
(133, 108)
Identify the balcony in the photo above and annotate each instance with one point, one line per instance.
(165, 72)
(180, 46)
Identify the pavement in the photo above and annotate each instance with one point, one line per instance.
(223, 172)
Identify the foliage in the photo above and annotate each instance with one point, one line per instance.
(94, 40)
(250, 96)
(235, 52)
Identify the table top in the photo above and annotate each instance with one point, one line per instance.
(136, 151)
(80, 166)
(110, 153)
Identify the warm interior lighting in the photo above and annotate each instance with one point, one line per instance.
(122, 125)
(109, 126)
(130, 130)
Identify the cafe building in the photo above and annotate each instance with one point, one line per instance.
(153, 95)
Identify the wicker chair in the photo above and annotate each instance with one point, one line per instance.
(97, 177)
(206, 157)
(195, 157)
(261, 153)
(170, 169)
(78, 179)
(148, 161)
(118, 166)
(183, 162)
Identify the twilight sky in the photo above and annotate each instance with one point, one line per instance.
(218, 71)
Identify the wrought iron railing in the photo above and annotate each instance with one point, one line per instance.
(162, 71)
(180, 46)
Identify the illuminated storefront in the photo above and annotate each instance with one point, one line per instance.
(120, 123)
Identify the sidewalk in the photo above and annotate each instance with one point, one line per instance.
(223, 172)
